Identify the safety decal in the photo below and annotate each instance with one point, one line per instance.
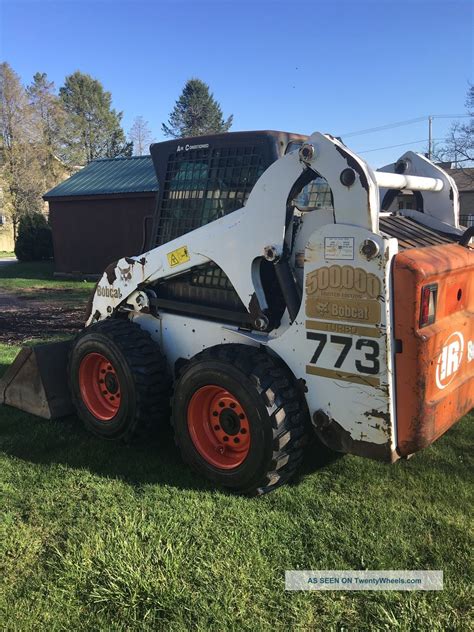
(178, 256)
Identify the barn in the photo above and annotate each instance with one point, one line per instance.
(101, 213)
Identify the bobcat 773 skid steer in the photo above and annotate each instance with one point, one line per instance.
(309, 307)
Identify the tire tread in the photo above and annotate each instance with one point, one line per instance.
(285, 408)
(147, 366)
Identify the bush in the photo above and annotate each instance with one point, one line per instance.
(34, 241)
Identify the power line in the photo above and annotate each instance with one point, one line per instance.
(453, 116)
(419, 119)
(413, 142)
(382, 127)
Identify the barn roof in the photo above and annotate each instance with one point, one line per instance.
(108, 176)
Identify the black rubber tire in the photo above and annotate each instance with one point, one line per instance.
(276, 411)
(141, 370)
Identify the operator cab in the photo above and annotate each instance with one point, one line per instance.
(200, 180)
(206, 177)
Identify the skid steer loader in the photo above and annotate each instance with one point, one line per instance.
(277, 300)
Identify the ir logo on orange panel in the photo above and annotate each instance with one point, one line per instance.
(449, 360)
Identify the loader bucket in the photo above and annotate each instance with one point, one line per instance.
(36, 382)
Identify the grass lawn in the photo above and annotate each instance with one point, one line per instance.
(36, 279)
(4, 254)
(103, 536)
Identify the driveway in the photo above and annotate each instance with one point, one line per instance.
(6, 260)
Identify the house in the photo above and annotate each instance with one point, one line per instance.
(101, 213)
(464, 179)
(7, 242)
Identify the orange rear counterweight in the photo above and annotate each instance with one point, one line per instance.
(435, 362)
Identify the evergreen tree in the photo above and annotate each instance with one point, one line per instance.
(48, 118)
(34, 241)
(93, 127)
(196, 113)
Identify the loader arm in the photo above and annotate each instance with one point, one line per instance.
(235, 241)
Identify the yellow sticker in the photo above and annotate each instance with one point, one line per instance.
(178, 256)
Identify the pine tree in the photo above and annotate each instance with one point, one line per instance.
(48, 119)
(93, 127)
(196, 113)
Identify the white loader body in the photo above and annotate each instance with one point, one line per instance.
(339, 342)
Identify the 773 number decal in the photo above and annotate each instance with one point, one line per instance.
(368, 362)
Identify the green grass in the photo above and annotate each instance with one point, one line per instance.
(36, 277)
(5, 253)
(102, 536)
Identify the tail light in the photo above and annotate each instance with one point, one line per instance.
(429, 295)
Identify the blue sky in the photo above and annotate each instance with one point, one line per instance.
(335, 67)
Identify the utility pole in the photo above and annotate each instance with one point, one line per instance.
(430, 137)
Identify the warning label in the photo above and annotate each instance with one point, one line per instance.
(178, 256)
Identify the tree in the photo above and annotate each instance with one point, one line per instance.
(459, 147)
(196, 113)
(140, 136)
(21, 174)
(47, 109)
(93, 127)
(34, 242)
(13, 108)
(48, 119)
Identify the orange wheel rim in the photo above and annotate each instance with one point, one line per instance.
(99, 386)
(219, 427)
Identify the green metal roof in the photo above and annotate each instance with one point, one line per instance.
(109, 176)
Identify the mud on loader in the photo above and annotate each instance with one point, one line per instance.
(280, 296)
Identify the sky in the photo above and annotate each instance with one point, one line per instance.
(335, 66)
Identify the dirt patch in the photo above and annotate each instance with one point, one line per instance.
(22, 318)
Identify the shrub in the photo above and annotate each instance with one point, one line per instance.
(34, 241)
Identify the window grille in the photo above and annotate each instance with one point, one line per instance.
(466, 220)
(315, 195)
(211, 276)
(202, 185)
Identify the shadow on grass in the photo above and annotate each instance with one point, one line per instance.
(155, 459)
(38, 270)
(18, 275)
(149, 459)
